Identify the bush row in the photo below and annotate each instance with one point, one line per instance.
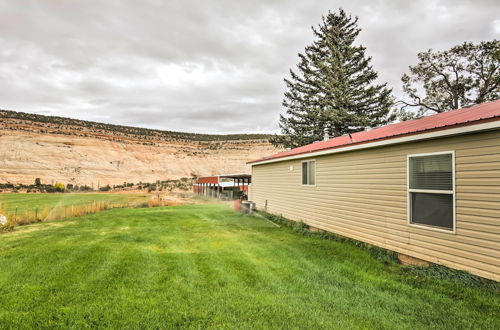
(159, 185)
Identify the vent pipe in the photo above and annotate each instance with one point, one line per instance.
(326, 135)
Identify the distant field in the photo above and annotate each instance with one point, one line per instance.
(9, 202)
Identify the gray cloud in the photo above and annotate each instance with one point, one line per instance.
(200, 66)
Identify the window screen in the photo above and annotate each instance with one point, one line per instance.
(304, 173)
(432, 209)
(309, 173)
(431, 191)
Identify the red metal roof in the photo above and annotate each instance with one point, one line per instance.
(214, 179)
(209, 179)
(446, 120)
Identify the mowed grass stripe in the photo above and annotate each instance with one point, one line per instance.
(204, 266)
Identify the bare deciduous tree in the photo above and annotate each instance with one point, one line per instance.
(462, 76)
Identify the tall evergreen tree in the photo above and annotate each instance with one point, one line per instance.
(333, 88)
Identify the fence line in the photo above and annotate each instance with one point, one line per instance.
(47, 213)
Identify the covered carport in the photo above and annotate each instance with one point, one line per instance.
(214, 186)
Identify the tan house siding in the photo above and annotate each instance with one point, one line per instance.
(363, 195)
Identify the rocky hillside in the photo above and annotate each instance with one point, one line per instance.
(82, 152)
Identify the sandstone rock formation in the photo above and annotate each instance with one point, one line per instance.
(80, 152)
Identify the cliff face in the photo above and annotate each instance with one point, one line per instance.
(79, 152)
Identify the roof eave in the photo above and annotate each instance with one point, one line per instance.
(459, 129)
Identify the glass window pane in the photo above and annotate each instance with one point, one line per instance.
(432, 209)
(304, 173)
(431, 172)
(312, 173)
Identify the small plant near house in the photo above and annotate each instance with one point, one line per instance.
(460, 277)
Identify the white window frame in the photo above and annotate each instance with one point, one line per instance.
(442, 192)
(301, 173)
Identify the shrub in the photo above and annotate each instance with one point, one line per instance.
(105, 188)
(6, 228)
(85, 188)
(59, 187)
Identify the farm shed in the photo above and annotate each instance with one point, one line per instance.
(428, 188)
(223, 186)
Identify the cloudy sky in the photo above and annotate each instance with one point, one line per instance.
(201, 66)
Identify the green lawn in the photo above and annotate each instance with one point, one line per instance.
(9, 202)
(199, 266)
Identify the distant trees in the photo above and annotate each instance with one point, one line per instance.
(85, 188)
(464, 75)
(159, 185)
(333, 88)
(36, 187)
(69, 126)
(105, 188)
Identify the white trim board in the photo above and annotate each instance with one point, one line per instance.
(412, 138)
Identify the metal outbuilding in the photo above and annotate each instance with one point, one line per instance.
(224, 185)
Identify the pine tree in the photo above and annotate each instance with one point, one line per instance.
(334, 88)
